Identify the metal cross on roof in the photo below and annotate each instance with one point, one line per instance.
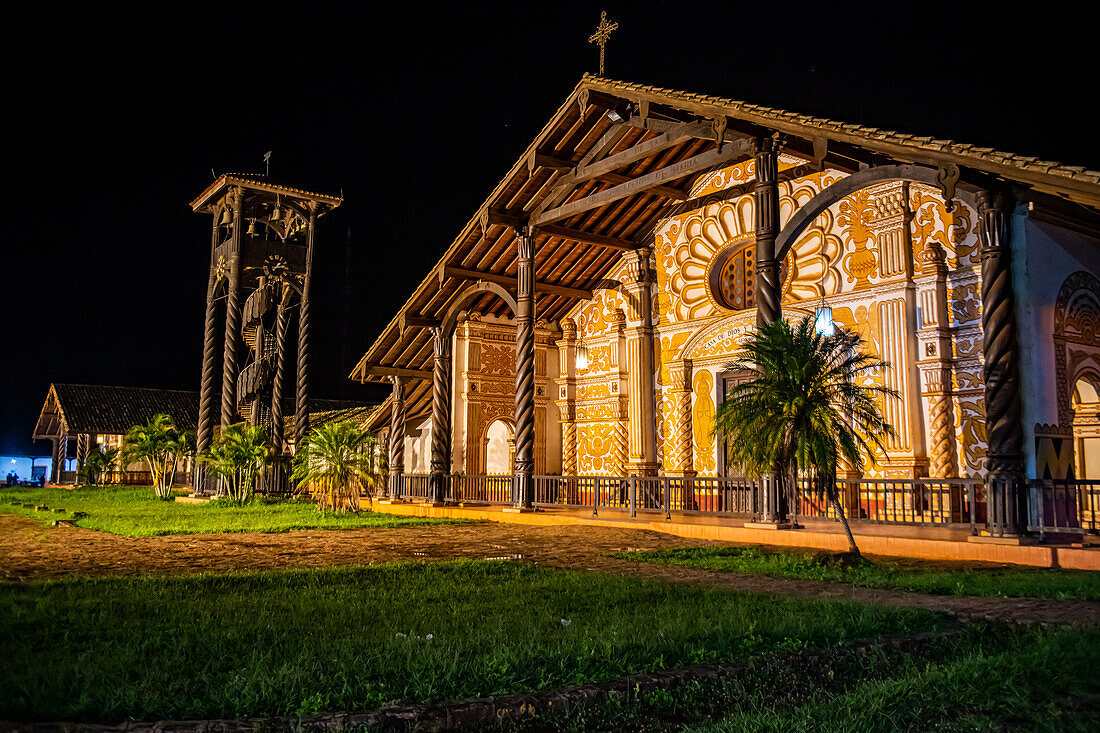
(602, 34)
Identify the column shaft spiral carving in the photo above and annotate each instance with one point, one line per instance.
(943, 457)
(1001, 373)
(397, 436)
(441, 414)
(569, 448)
(231, 351)
(525, 372)
(301, 401)
(83, 445)
(766, 192)
(205, 431)
(620, 447)
(60, 452)
(682, 460)
(278, 382)
(230, 365)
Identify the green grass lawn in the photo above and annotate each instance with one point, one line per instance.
(307, 641)
(136, 512)
(986, 678)
(935, 578)
(1036, 682)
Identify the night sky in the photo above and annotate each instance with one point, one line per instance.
(121, 110)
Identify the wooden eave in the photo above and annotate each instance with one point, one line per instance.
(217, 189)
(579, 138)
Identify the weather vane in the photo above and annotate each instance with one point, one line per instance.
(603, 32)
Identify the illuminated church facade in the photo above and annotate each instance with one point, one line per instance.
(582, 322)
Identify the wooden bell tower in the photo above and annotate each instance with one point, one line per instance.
(261, 265)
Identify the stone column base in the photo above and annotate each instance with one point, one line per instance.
(772, 525)
(641, 468)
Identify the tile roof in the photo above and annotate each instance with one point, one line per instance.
(88, 408)
(97, 409)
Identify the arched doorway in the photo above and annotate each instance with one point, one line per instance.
(1086, 427)
(500, 447)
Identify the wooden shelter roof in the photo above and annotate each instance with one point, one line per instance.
(87, 408)
(225, 181)
(592, 187)
(73, 409)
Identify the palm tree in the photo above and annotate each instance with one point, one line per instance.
(237, 454)
(160, 444)
(336, 460)
(804, 411)
(99, 461)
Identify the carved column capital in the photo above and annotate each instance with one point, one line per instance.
(680, 374)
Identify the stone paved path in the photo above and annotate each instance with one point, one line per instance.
(29, 549)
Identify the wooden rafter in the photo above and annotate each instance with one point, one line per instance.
(406, 321)
(575, 235)
(510, 282)
(729, 153)
(377, 370)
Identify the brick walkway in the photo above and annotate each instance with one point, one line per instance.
(29, 549)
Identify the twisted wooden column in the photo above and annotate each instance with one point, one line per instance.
(569, 447)
(83, 445)
(230, 364)
(205, 425)
(301, 402)
(641, 397)
(768, 288)
(281, 324)
(766, 192)
(619, 448)
(682, 460)
(1001, 372)
(567, 404)
(441, 416)
(943, 458)
(397, 436)
(60, 452)
(936, 369)
(523, 486)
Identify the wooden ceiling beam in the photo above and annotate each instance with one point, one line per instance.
(547, 160)
(729, 153)
(605, 144)
(612, 163)
(641, 151)
(377, 370)
(406, 322)
(669, 192)
(600, 240)
(510, 282)
(493, 217)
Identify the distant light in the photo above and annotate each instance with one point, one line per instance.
(823, 321)
(13, 460)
